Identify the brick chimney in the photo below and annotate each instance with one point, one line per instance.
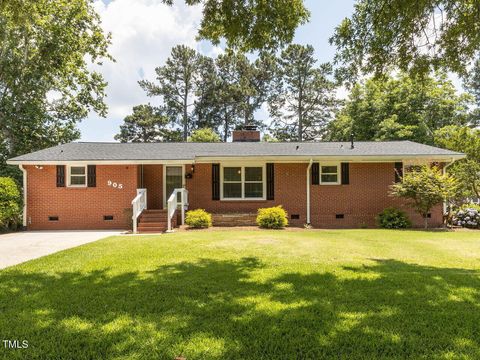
(248, 133)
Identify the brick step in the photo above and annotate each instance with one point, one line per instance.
(159, 229)
(152, 224)
(147, 219)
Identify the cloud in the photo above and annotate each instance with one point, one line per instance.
(143, 33)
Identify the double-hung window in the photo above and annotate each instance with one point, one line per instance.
(329, 174)
(243, 182)
(77, 176)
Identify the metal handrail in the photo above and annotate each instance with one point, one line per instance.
(138, 205)
(172, 206)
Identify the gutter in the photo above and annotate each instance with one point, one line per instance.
(24, 214)
(308, 190)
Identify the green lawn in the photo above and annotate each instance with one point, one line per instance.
(354, 294)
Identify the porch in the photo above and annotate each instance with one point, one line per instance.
(166, 191)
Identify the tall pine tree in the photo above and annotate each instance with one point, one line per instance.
(303, 100)
(177, 84)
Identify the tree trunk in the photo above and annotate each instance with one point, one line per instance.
(185, 117)
(225, 130)
(300, 116)
(425, 219)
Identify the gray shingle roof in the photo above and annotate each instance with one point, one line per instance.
(93, 151)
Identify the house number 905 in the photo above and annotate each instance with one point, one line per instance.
(114, 184)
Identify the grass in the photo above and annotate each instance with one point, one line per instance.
(354, 294)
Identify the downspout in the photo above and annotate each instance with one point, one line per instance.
(24, 216)
(308, 190)
(444, 171)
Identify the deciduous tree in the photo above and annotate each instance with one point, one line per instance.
(400, 108)
(250, 25)
(416, 36)
(205, 135)
(425, 188)
(46, 82)
(467, 171)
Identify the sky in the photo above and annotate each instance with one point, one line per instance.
(143, 33)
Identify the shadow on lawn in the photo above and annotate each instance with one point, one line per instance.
(214, 309)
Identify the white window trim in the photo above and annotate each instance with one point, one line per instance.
(339, 173)
(69, 178)
(243, 166)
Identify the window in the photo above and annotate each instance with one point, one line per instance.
(329, 174)
(77, 176)
(243, 182)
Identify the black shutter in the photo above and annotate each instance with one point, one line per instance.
(345, 173)
(398, 172)
(215, 181)
(315, 174)
(60, 175)
(92, 175)
(270, 182)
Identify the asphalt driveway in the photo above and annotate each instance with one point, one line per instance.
(19, 247)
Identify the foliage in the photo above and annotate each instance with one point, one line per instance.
(425, 188)
(10, 204)
(288, 289)
(205, 135)
(401, 108)
(472, 85)
(47, 84)
(198, 219)
(177, 80)
(393, 218)
(147, 124)
(468, 217)
(232, 89)
(250, 25)
(269, 138)
(467, 171)
(272, 218)
(303, 100)
(416, 36)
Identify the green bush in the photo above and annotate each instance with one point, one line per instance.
(10, 204)
(392, 218)
(198, 219)
(272, 218)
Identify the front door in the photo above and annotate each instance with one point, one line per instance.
(173, 180)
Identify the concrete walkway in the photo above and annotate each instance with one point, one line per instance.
(19, 247)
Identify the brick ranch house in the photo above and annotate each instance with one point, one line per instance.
(146, 185)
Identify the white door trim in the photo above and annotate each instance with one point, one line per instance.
(164, 181)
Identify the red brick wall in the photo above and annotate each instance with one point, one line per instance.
(80, 208)
(152, 181)
(360, 201)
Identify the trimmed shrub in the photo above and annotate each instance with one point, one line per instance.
(198, 219)
(272, 218)
(393, 218)
(10, 204)
(467, 216)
